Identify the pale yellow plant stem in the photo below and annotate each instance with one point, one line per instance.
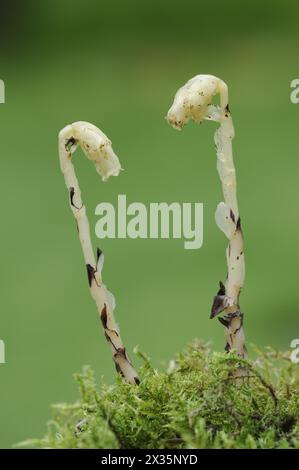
(98, 149)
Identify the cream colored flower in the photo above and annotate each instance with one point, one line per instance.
(193, 99)
(96, 146)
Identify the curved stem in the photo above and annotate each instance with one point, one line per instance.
(97, 148)
(193, 101)
(228, 220)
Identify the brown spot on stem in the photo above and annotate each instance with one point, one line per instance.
(122, 352)
(104, 320)
(221, 288)
(219, 304)
(220, 301)
(90, 273)
(69, 143)
(109, 340)
(136, 380)
(224, 322)
(238, 225)
(72, 194)
(232, 216)
(118, 369)
(241, 323)
(104, 317)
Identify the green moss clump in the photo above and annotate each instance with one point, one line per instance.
(197, 403)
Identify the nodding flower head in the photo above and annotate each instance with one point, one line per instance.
(96, 146)
(192, 100)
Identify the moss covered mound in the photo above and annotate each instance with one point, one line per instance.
(199, 402)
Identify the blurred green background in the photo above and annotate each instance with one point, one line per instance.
(118, 64)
